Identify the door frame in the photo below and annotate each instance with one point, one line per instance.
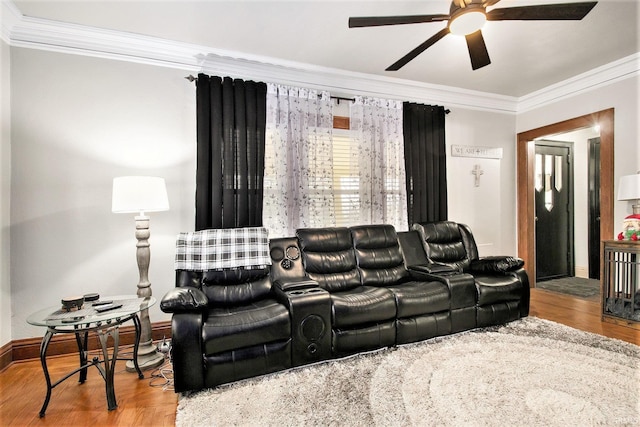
(525, 160)
(593, 220)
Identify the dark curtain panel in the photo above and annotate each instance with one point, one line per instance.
(231, 116)
(425, 162)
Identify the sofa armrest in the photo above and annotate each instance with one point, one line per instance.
(186, 351)
(294, 284)
(184, 299)
(435, 268)
(523, 277)
(495, 264)
(282, 287)
(462, 286)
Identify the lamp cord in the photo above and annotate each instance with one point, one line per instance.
(160, 377)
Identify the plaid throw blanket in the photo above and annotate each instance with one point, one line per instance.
(223, 249)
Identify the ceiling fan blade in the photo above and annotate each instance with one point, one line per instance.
(560, 11)
(488, 3)
(477, 50)
(376, 21)
(418, 50)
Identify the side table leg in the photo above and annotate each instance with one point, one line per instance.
(82, 341)
(43, 360)
(136, 345)
(109, 365)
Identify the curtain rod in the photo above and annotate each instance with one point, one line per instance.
(341, 98)
(191, 78)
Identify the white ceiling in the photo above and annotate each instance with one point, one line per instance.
(526, 56)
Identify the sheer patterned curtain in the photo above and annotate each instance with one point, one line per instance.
(298, 177)
(378, 150)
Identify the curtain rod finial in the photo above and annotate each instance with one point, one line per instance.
(191, 78)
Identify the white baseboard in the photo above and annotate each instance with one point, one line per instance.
(582, 272)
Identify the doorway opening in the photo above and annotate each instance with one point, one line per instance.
(526, 208)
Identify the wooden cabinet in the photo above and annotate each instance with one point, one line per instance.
(620, 282)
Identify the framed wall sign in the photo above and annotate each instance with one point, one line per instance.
(478, 152)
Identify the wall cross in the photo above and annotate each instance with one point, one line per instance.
(477, 171)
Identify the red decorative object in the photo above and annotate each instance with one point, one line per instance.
(631, 228)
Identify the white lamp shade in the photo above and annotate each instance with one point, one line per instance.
(629, 188)
(139, 194)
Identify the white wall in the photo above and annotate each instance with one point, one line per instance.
(5, 191)
(78, 122)
(624, 97)
(490, 208)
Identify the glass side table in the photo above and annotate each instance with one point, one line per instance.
(81, 323)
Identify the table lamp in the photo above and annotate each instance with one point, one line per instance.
(142, 194)
(629, 189)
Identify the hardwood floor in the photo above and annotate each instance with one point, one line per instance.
(583, 314)
(141, 402)
(145, 403)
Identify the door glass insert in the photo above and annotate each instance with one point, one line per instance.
(548, 174)
(558, 173)
(538, 173)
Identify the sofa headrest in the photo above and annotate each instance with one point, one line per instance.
(328, 257)
(448, 242)
(330, 239)
(378, 255)
(374, 236)
(228, 287)
(439, 232)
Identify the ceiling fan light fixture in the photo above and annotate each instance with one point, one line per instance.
(467, 18)
(467, 21)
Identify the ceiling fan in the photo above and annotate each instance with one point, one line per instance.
(466, 17)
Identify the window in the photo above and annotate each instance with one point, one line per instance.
(318, 173)
(353, 186)
(346, 180)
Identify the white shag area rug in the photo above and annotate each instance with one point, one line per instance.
(530, 372)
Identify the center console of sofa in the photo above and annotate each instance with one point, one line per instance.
(308, 304)
(328, 293)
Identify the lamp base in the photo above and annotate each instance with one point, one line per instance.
(148, 358)
(636, 208)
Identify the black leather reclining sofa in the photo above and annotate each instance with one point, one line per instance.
(332, 292)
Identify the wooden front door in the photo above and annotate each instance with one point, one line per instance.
(553, 183)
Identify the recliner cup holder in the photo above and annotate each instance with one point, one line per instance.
(306, 291)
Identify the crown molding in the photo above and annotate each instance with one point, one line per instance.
(598, 77)
(9, 17)
(36, 33)
(61, 37)
(348, 83)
